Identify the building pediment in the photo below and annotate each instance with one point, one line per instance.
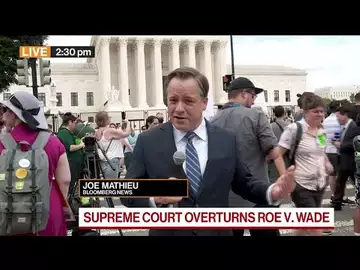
(73, 69)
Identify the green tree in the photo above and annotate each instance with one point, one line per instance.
(9, 53)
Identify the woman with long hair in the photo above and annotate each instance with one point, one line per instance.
(25, 119)
(109, 139)
(151, 122)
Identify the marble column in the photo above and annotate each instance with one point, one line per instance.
(222, 69)
(105, 70)
(123, 73)
(208, 67)
(157, 79)
(140, 74)
(174, 54)
(191, 54)
(218, 86)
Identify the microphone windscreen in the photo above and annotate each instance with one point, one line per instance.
(179, 157)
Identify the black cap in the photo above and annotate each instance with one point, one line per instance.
(244, 83)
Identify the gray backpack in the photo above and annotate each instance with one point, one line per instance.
(24, 186)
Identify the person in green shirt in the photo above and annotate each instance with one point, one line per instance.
(74, 148)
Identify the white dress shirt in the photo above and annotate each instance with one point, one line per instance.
(331, 126)
(200, 143)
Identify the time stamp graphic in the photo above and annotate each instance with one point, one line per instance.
(57, 51)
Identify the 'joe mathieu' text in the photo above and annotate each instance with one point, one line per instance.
(111, 185)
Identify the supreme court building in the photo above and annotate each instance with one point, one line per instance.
(128, 75)
(132, 70)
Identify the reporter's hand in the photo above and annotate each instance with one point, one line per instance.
(167, 200)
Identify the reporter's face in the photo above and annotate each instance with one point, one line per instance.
(185, 104)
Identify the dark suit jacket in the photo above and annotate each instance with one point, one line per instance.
(153, 158)
(346, 151)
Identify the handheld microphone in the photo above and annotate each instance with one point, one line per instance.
(177, 172)
(178, 158)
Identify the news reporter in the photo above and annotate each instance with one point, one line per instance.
(212, 163)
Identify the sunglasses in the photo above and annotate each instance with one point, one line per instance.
(253, 95)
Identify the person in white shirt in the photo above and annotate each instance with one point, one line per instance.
(333, 129)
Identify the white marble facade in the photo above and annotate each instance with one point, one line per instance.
(132, 69)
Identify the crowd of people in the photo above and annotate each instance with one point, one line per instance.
(24, 119)
(238, 152)
(334, 126)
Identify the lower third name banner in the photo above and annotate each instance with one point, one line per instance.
(134, 188)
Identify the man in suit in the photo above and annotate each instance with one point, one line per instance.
(212, 164)
(347, 166)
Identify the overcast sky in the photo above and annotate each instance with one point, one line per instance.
(330, 61)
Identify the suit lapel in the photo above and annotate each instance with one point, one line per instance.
(214, 151)
(167, 146)
(346, 130)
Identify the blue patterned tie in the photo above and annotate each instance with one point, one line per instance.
(193, 170)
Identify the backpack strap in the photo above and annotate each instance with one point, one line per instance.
(41, 140)
(281, 128)
(298, 136)
(39, 143)
(8, 141)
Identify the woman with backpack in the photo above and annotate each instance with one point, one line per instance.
(42, 196)
(305, 140)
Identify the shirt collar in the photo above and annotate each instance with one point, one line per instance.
(306, 126)
(200, 131)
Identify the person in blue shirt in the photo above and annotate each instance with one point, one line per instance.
(131, 139)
